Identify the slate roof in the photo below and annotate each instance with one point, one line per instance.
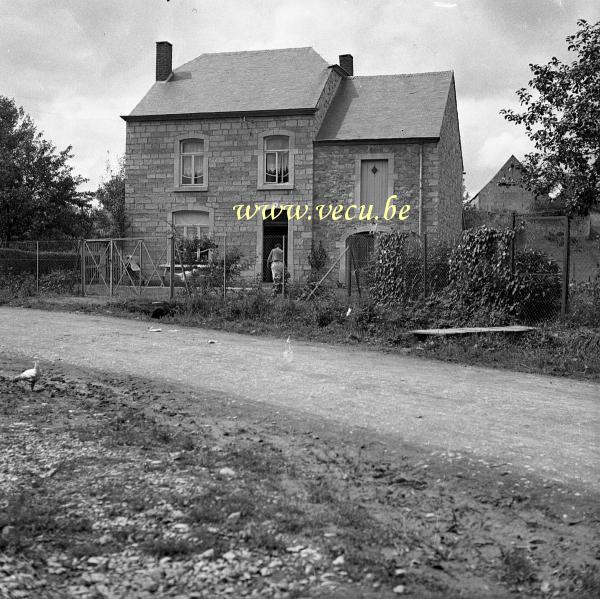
(265, 80)
(388, 107)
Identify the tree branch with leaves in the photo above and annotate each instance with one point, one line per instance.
(562, 119)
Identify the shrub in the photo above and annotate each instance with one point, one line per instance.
(327, 308)
(584, 303)
(483, 284)
(60, 282)
(210, 278)
(16, 284)
(540, 285)
(317, 258)
(194, 250)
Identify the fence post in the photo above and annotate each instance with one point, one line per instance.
(110, 267)
(349, 266)
(141, 256)
(425, 272)
(224, 266)
(37, 268)
(513, 242)
(564, 307)
(172, 268)
(82, 253)
(283, 281)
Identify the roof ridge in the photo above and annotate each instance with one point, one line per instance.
(240, 52)
(402, 74)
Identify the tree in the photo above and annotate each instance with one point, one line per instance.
(111, 218)
(38, 191)
(562, 118)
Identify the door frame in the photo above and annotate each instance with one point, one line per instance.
(357, 173)
(258, 271)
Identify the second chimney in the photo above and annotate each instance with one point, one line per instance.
(347, 63)
(164, 60)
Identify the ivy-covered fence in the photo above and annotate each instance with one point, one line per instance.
(482, 276)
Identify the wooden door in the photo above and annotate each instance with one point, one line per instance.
(374, 184)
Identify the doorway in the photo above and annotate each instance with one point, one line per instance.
(360, 250)
(275, 230)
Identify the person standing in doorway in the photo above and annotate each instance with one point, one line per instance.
(275, 261)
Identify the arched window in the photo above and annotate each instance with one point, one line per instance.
(276, 159)
(191, 162)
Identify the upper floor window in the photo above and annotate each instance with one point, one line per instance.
(277, 159)
(192, 162)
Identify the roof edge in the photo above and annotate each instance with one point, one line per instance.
(379, 140)
(209, 115)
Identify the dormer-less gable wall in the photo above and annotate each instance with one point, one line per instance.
(449, 209)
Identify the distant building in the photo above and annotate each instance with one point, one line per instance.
(506, 192)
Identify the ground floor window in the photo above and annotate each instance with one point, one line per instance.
(191, 225)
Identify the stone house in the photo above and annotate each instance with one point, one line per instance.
(285, 127)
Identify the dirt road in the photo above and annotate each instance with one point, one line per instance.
(548, 426)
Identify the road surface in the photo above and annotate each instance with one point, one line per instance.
(544, 425)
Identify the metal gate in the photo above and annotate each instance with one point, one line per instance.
(360, 250)
(123, 266)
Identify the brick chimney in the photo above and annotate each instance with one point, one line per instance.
(164, 60)
(347, 63)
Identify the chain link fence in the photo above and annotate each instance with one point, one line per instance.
(40, 267)
(557, 256)
(152, 267)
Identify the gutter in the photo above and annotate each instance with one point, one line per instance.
(219, 115)
(376, 140)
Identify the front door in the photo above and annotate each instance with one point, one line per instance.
(374, 184)
(274, 231)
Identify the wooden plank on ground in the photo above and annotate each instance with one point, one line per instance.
(515, 328)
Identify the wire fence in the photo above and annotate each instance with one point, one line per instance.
(154, 267)
(558, 256)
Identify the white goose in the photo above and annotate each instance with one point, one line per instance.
(31, 375)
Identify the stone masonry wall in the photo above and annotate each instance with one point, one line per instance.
(450, 170)
(336, 183)
(233, 148)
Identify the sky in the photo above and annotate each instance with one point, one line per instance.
(75, 66)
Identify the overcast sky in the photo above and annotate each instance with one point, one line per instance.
(77, 65)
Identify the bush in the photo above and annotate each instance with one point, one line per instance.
(210, 278)
(194, 250)
(584, 303)
(16, 284)
(483, 284)
(540, 285)
(63, 282)
(327, 308)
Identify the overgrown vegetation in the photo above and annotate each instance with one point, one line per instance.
(477, 281)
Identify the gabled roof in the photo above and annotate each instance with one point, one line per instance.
(509, 169)
(388, 106)
(256, 81)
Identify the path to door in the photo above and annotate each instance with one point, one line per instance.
(543, 424)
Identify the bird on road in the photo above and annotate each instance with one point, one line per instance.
(31, 375)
